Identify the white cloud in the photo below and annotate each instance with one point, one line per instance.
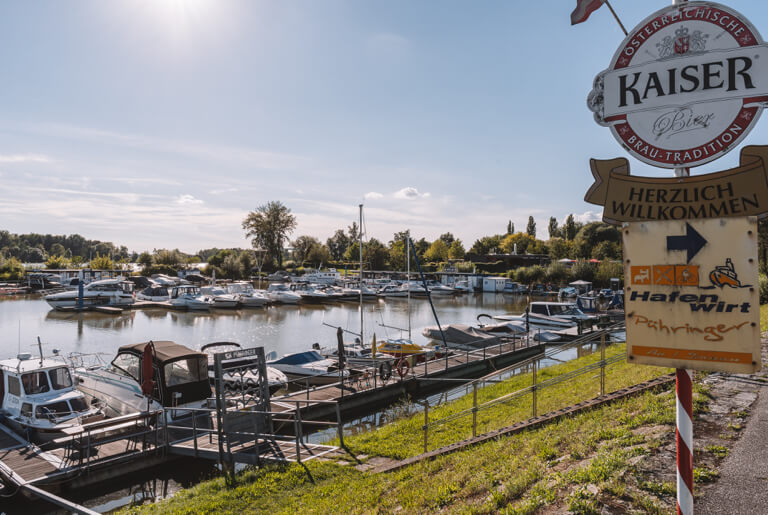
(410, 193)
(188, 199)
(588, 216)
(24, 158)
(372, 195)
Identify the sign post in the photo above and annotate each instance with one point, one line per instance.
(684, 88)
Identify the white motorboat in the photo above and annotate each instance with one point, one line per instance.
(220, 297)
(309, 368)
(462, 286)
(249, 297)
(351, 291)
(549, 315)
(276, 380)
(281, 293)
(467, 335)
(393, 290)
(38, 398)
(107, 292)
(355, 354)
(309, 293)
(180, 377)
(166, 280)
(154, 294)
(436, 288)
(187, 296)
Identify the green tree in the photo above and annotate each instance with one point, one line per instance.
(246, 263)
(457, 250)
(302, 245)
(553, 229)
(375, 254)
(318, 255)
(353, 232)
(231, 267)
(353, 252)
(437, 252)
(557, 273)
(448, 239)
(145, 259)
(530, 229)
(570, 228)
(337, 244)
(510, 227)
(172, 258)
(397, 255)
(102, 263)
(606, 271)
(269, 226)
(559, 248)
(11, 269)
(606, 250)
(487, 244)
(583, 270)
(516, 242)
(57, 249)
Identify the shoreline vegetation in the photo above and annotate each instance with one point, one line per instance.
(579, 463)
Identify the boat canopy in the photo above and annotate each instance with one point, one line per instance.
(164, 350)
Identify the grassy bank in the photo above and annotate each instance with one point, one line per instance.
(566, 464)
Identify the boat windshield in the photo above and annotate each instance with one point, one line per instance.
(78, 404)
(127, 364)
(35, 382)
(60, 378)
(300, 358)
(183, 371)
(53, 410)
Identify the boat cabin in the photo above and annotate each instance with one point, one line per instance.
(38, 395)
(557, 309)
(180, 374)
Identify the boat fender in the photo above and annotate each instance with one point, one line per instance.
(385, 371)
(403, 367)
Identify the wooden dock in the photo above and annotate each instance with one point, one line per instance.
(368, 391)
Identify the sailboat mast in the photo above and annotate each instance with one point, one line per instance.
(362, 338)
(408, 280)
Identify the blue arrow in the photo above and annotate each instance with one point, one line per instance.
(692, 242)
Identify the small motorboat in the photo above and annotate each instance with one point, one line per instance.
(276, 380)
(309, 293)
(282, 294)
(393, 290)
(155, 293)
(249, 297)
(190, 297)
(309, 368)
(402, 348)
(220, 297)
(38, 398)
(107, 292)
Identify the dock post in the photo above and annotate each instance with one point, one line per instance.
(256, 438)
(296, 430)
(602, 364)
(340, 425)
(474, 409)
(194, 431)
(534, 389)
(426, 423)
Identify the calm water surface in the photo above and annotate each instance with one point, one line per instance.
(279, 328)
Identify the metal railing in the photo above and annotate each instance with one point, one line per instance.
(535, 386)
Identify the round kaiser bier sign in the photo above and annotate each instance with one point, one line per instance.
(685, 86)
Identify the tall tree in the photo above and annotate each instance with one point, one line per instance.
(510, 227)
(553, 230)
(569, 228)
(438, 251)
(353, 231)
(531, 227)
(457, 250)
(302, 246)
(269, 226)
(337, 244)
(447, 238)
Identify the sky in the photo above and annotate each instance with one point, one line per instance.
(162, 123)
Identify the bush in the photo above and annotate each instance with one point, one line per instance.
(496, 267)
(763, 282)
(11, 270)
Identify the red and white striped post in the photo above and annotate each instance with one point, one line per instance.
(684, 424)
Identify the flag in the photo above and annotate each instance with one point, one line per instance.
(583, 9)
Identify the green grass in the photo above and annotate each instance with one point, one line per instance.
(517, 474)
(764, 318)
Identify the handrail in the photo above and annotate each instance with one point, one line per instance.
(535, 387)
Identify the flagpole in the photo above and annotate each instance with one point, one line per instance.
(606, 2)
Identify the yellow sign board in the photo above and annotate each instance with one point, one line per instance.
(692, 296)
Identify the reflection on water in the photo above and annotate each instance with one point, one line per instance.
(282, 328)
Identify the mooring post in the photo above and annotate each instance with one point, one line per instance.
(602, 364)
(194, 431)
(533, 389)
(256, 438)
(474, 409)
(339, 425)
(426, 423)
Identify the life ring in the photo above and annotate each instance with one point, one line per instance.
(403, 367)
(385, 371)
